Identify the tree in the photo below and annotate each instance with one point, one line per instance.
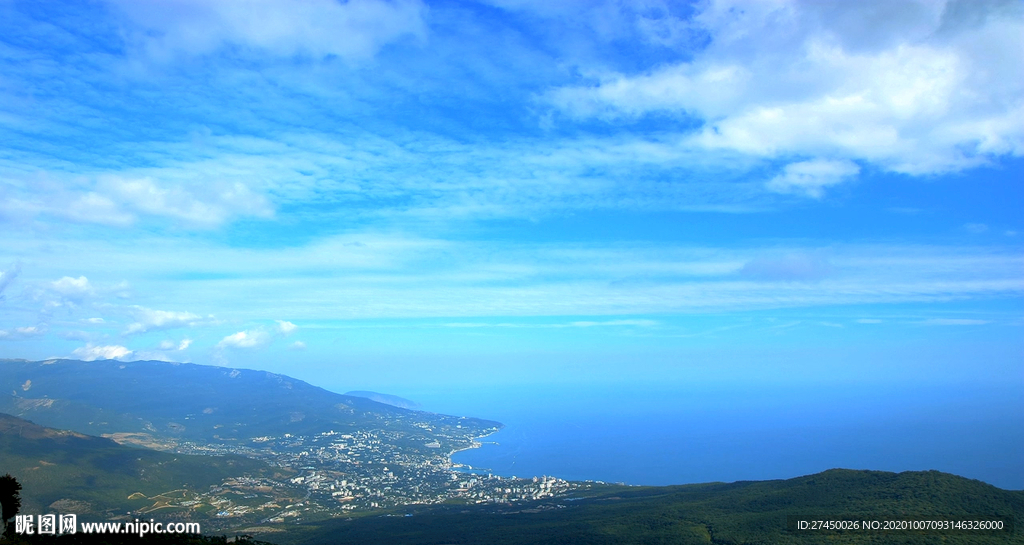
(10, 499)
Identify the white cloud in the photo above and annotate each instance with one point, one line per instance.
(94, 208)
(21, 332)
(352, 30)
(188, 196)
(171, 345)
(869, 321)
(286, 328)
(812, 177)
(90, 352)
(207, 204)
(975, 228)
(253, 338)
(258, 337)
(910, 87)
(72, 288)
(147, 319)
(297, 345)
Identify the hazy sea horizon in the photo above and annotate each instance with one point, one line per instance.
(663, 436)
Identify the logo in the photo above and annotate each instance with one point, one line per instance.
(47, 524)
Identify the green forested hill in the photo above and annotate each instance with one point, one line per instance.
(63, 471)
(716, 513)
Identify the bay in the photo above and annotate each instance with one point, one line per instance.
(661, 436)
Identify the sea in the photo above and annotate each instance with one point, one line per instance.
(652, 435)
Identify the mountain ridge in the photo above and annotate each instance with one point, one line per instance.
(185, 401)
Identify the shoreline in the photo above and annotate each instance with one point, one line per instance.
(474, 443)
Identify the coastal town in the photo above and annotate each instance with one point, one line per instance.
(332, 474)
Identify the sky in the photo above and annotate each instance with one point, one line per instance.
(394, 195)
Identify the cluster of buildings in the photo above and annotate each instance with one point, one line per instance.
(332, 473)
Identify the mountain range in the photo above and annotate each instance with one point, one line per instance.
(161, 401)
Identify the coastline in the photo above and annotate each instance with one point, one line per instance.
(474, 443)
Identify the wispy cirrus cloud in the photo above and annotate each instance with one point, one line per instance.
(423, 177)
(116, 200)
(372, 275)
(352, 30)
(7, 277)
(213, 206)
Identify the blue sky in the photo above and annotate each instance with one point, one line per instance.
(396, 194)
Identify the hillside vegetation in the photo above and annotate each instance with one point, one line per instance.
(737, 513)
(94, 477)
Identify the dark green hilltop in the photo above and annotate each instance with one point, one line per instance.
(98, 479)
(753, 512)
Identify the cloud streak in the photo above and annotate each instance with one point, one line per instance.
(319, 28)
(954, 321)
(19, 333)
(400, 277)
(8, 276)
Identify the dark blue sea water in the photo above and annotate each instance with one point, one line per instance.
(658, 436)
